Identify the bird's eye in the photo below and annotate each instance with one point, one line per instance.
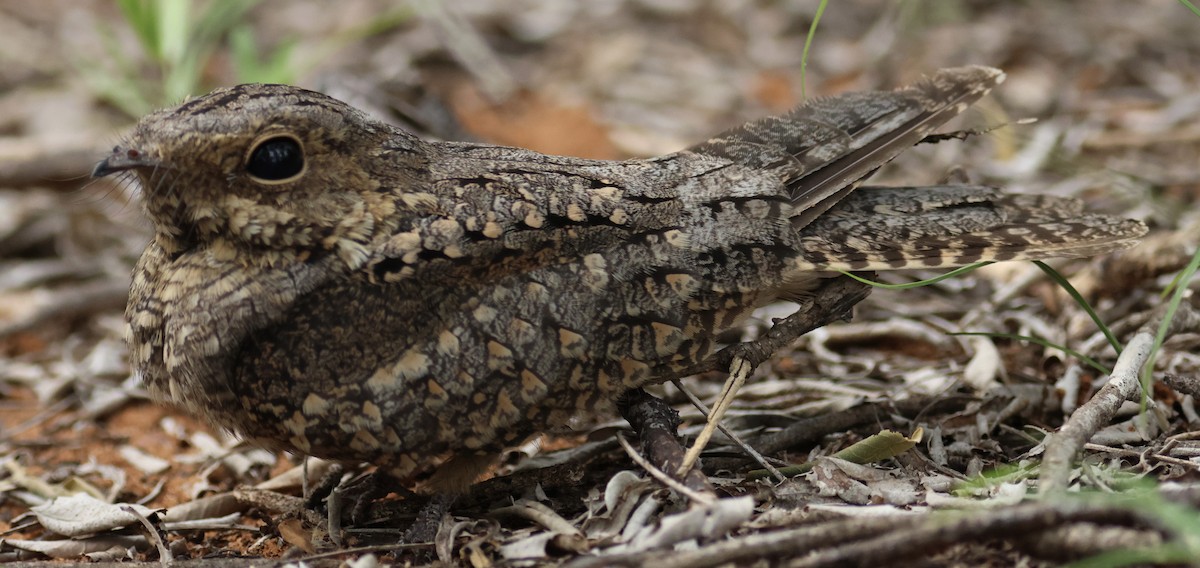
(276, 159)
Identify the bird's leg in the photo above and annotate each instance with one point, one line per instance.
(656, 424)
(429, 519)
(316, 492)
(361, 491)
(831, 301)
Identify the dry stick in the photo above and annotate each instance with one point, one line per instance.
(754, 546)
(935, 534)
(739, 371)
(541, 514)
(25, 163)
(877, 541)
(164, 551)
(811, 430)
(737, 440)
(1183, 384)
(1064, 445)
(1081, 540)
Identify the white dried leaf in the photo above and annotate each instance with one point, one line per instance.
(72, 548)
(623, 494)
(860, 511)
(985, 365)
(226, 522)
(1001, 495)
(639, 519)
(938, 482)
(618, 486)
(707, 522)
(78, 482)
(242, 462)
(833, 481)
(103, 400)
(81, 514)
(529, 547)
(173, 427)
(293, 478)
(53, 386)
(107, 358)
(895, 492)
(928, 380)
(144, 462)
(859, 472)
(21, 373)
(364, 561)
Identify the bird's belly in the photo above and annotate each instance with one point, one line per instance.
(401, 374)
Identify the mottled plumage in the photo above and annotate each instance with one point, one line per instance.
(325, 283)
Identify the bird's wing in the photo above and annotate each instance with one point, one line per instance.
(825, 147)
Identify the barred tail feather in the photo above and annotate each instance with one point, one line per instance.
(951, 226)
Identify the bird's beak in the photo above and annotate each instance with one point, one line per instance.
(122, 159)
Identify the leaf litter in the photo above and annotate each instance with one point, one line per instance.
(1114, 95)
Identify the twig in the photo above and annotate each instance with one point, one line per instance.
(810, 430)
(164, 552)
(25, 162)
(737, 440)
(660, 475)
(1183, 384)
(739, 371)
(933, 534)
(882, 540)
(1064, 445)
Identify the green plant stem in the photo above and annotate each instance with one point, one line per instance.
(1176, 298)
(1066, 285)
(812, 30)
(919, 283)
(1191, 7)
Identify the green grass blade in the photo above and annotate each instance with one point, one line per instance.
(142, 18)
(172, 30)
(1184, 277)
(919, 283)
(250, 67)
(812, 30)
(1066, 285)
(1191, 7)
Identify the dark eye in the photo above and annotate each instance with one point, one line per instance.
(276, 159)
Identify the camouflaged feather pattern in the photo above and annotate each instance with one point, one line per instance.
(404, 302)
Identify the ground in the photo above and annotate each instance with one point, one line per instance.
(991, 424)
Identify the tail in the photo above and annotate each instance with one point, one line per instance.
(826, 147)
(890, 228)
